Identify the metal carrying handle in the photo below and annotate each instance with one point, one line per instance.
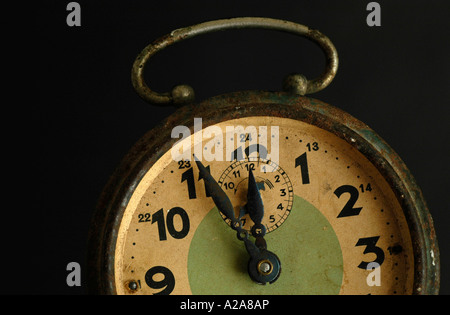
(183, 94)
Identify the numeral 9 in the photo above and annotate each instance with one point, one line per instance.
(168, 282)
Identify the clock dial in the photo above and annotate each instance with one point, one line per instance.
(331, 218)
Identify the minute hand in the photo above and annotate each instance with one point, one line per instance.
(219, 197)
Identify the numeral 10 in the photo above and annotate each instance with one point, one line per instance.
(167, 224)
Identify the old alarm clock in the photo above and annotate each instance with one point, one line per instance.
(259, 192)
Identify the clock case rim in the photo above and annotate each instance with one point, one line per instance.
(107, 216)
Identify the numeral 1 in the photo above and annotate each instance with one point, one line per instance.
(302, 161)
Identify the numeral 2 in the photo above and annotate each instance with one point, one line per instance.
(348, 209)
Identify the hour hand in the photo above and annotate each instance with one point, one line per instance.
(255, 206)
(219, 197)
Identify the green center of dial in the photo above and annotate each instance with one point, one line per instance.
(306, 245)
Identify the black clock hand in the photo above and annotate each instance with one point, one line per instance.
(224, 205)
(219, 197)
(263, 266)
(255, 206)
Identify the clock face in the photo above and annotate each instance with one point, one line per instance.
(331, 218)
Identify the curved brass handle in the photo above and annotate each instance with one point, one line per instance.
(183, 94)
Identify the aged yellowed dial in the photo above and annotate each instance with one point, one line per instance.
(341, 231)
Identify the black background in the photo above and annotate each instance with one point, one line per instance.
(395, 78)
